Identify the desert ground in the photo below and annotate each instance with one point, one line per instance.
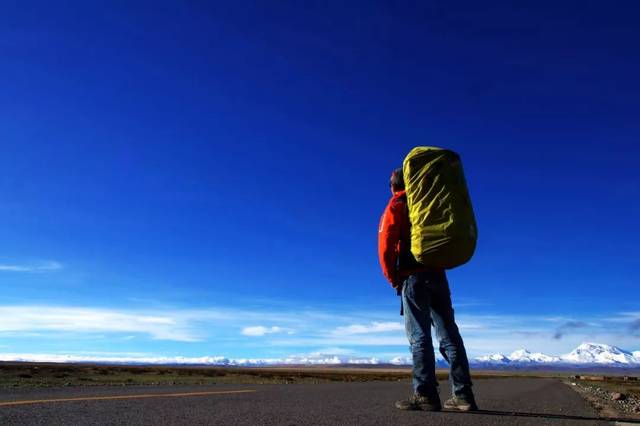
(39, 393)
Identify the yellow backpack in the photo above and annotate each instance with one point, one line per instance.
(443, 226)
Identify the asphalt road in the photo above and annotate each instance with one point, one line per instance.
(520, 401)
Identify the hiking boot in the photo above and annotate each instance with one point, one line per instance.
(461, 403)
(420, 402)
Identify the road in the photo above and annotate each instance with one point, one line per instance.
(519, 401)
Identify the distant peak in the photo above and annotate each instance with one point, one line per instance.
(599, 353)
(589, 345)
(598, 347)
(520, 352)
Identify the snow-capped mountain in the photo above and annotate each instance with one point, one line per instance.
(524, 355)
(596, 354)
(493, 359)
(401, 360)
(312, 359)
(587, 354)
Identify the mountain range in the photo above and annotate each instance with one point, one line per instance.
(585, 355)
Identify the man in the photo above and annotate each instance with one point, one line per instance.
(426, 301)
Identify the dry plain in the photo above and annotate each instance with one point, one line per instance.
(99, 394)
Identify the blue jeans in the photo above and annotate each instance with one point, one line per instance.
(426, 301)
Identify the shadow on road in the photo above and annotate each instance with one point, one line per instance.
(547, 416)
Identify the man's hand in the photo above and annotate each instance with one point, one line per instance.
(397, 283)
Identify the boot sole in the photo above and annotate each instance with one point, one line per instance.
(460, 408)
(418, 408)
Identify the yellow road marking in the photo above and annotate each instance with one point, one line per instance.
(102, 398)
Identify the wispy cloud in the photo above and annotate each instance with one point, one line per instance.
(569, 326)
(276, 332)
(374, 327)
(42, 357)
(45, 266)
(260, 330)
(356, 340)
(92, 320)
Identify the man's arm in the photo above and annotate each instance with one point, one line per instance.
(389, 234)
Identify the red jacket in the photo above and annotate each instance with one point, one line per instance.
(394, 238)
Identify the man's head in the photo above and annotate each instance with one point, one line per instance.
(396, 183)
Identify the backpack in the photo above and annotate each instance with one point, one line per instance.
(443, 226)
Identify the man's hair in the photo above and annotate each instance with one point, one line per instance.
(397, 180)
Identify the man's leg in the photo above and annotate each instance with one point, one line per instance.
(415, 302)
(451, 343)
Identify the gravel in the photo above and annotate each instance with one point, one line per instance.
(622, 403)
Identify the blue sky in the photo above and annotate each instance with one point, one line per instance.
(190, 179)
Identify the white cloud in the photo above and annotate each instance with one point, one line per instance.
(91, 320)
(346, 340)
(238, 331)
(260, 330)
(374, 327)
(470, 326)
(624, 317)
(46, 266)
(333, 350)
(20, 357)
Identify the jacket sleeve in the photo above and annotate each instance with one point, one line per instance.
(389, 234)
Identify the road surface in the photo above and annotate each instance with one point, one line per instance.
(517, 401)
